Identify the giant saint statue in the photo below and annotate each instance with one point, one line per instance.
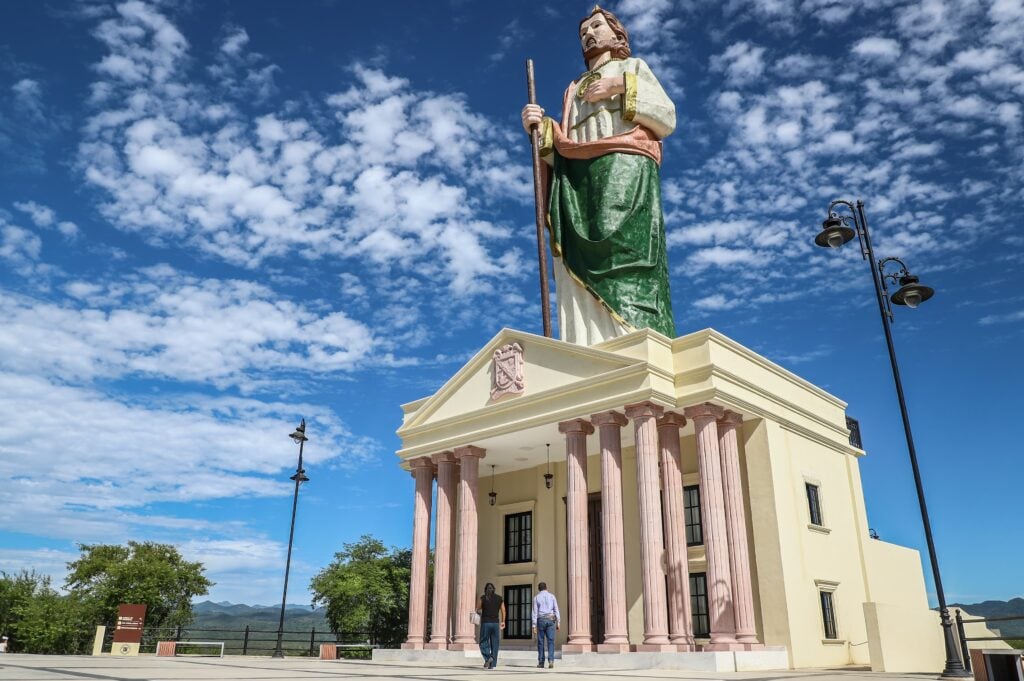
(604, 204)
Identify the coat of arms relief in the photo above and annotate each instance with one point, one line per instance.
(507, 376)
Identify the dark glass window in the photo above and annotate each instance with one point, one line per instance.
(828, 614)
(699, 604)
(814, 503)
(691, 510)
(518, 611)
(519, 537)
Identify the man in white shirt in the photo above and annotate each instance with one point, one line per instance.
(546, 621)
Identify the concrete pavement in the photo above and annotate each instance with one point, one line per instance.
(148, 668)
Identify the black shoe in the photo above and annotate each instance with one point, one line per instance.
(540, 665)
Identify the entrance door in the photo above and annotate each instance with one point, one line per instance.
(595, 566)
(596, 563)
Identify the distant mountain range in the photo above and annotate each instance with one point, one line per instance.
(237, 616)
(1014, 606)
(239, 608)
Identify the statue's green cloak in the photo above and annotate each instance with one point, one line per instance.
(607, 226)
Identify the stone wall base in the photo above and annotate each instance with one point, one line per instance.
(769, 658)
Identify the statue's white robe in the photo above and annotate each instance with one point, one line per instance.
(582, 317)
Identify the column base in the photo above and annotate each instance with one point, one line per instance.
(749, 640)
(613, 647)
(472, 645)
(441, 645)
(412, 645)
(654, 648)
(577, 647)
(684, 647)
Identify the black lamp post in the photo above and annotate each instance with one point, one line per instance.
(549, 476)
(300, 477)
(836, 230)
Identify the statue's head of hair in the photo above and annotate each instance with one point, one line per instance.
(621, 49)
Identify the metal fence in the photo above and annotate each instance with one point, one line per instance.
(960, 621)
(251, 641)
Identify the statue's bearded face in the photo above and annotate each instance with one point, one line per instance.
(596, 36)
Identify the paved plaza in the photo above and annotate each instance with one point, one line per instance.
(145, 668)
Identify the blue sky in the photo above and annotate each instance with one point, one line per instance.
(217, 218)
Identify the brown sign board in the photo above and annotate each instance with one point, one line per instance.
(130, 620)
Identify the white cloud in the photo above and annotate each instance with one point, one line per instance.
(741, 62)
(162, 323)
(715, 302)
(90, 467)
(402, 176)
(51, 562)
(646, 20)
(884, 49)
(918, 150)
(975, 59)
(45, 217)
(1005, 318)
(722, 257)
(20, 248)
(715, 232)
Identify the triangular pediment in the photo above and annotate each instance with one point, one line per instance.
(548, 365)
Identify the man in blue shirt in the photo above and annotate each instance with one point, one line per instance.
(546, 621)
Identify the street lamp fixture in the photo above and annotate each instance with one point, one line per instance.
(837, 229)
(299, 436)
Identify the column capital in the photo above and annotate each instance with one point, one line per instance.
(420, 463)
(575, 426)
(470, 451)
(443, 457)
(609, 418)
(731, 418)
(704, 411)
(672, 419)
(644, 409)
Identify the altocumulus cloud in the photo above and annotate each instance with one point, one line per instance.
(934, 79)
(400, 177)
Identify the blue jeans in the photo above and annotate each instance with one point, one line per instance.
(490, 640)
(545, 631)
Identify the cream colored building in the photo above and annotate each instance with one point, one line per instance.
(732, 483)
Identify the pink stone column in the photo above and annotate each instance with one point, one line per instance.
(447, 479)
(616, 628)
(465, 586)
(644, 416)
(716, 538)
(677, 565)
(423, 471)
(739, 555)
(576, 432)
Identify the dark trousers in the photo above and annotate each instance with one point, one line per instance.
(490, 640)
(545, 632)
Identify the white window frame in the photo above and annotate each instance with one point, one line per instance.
(831, 587)
(823, 528)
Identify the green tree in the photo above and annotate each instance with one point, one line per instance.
(366, 591)
(15, 591)
(155, 574)
(50, 623)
